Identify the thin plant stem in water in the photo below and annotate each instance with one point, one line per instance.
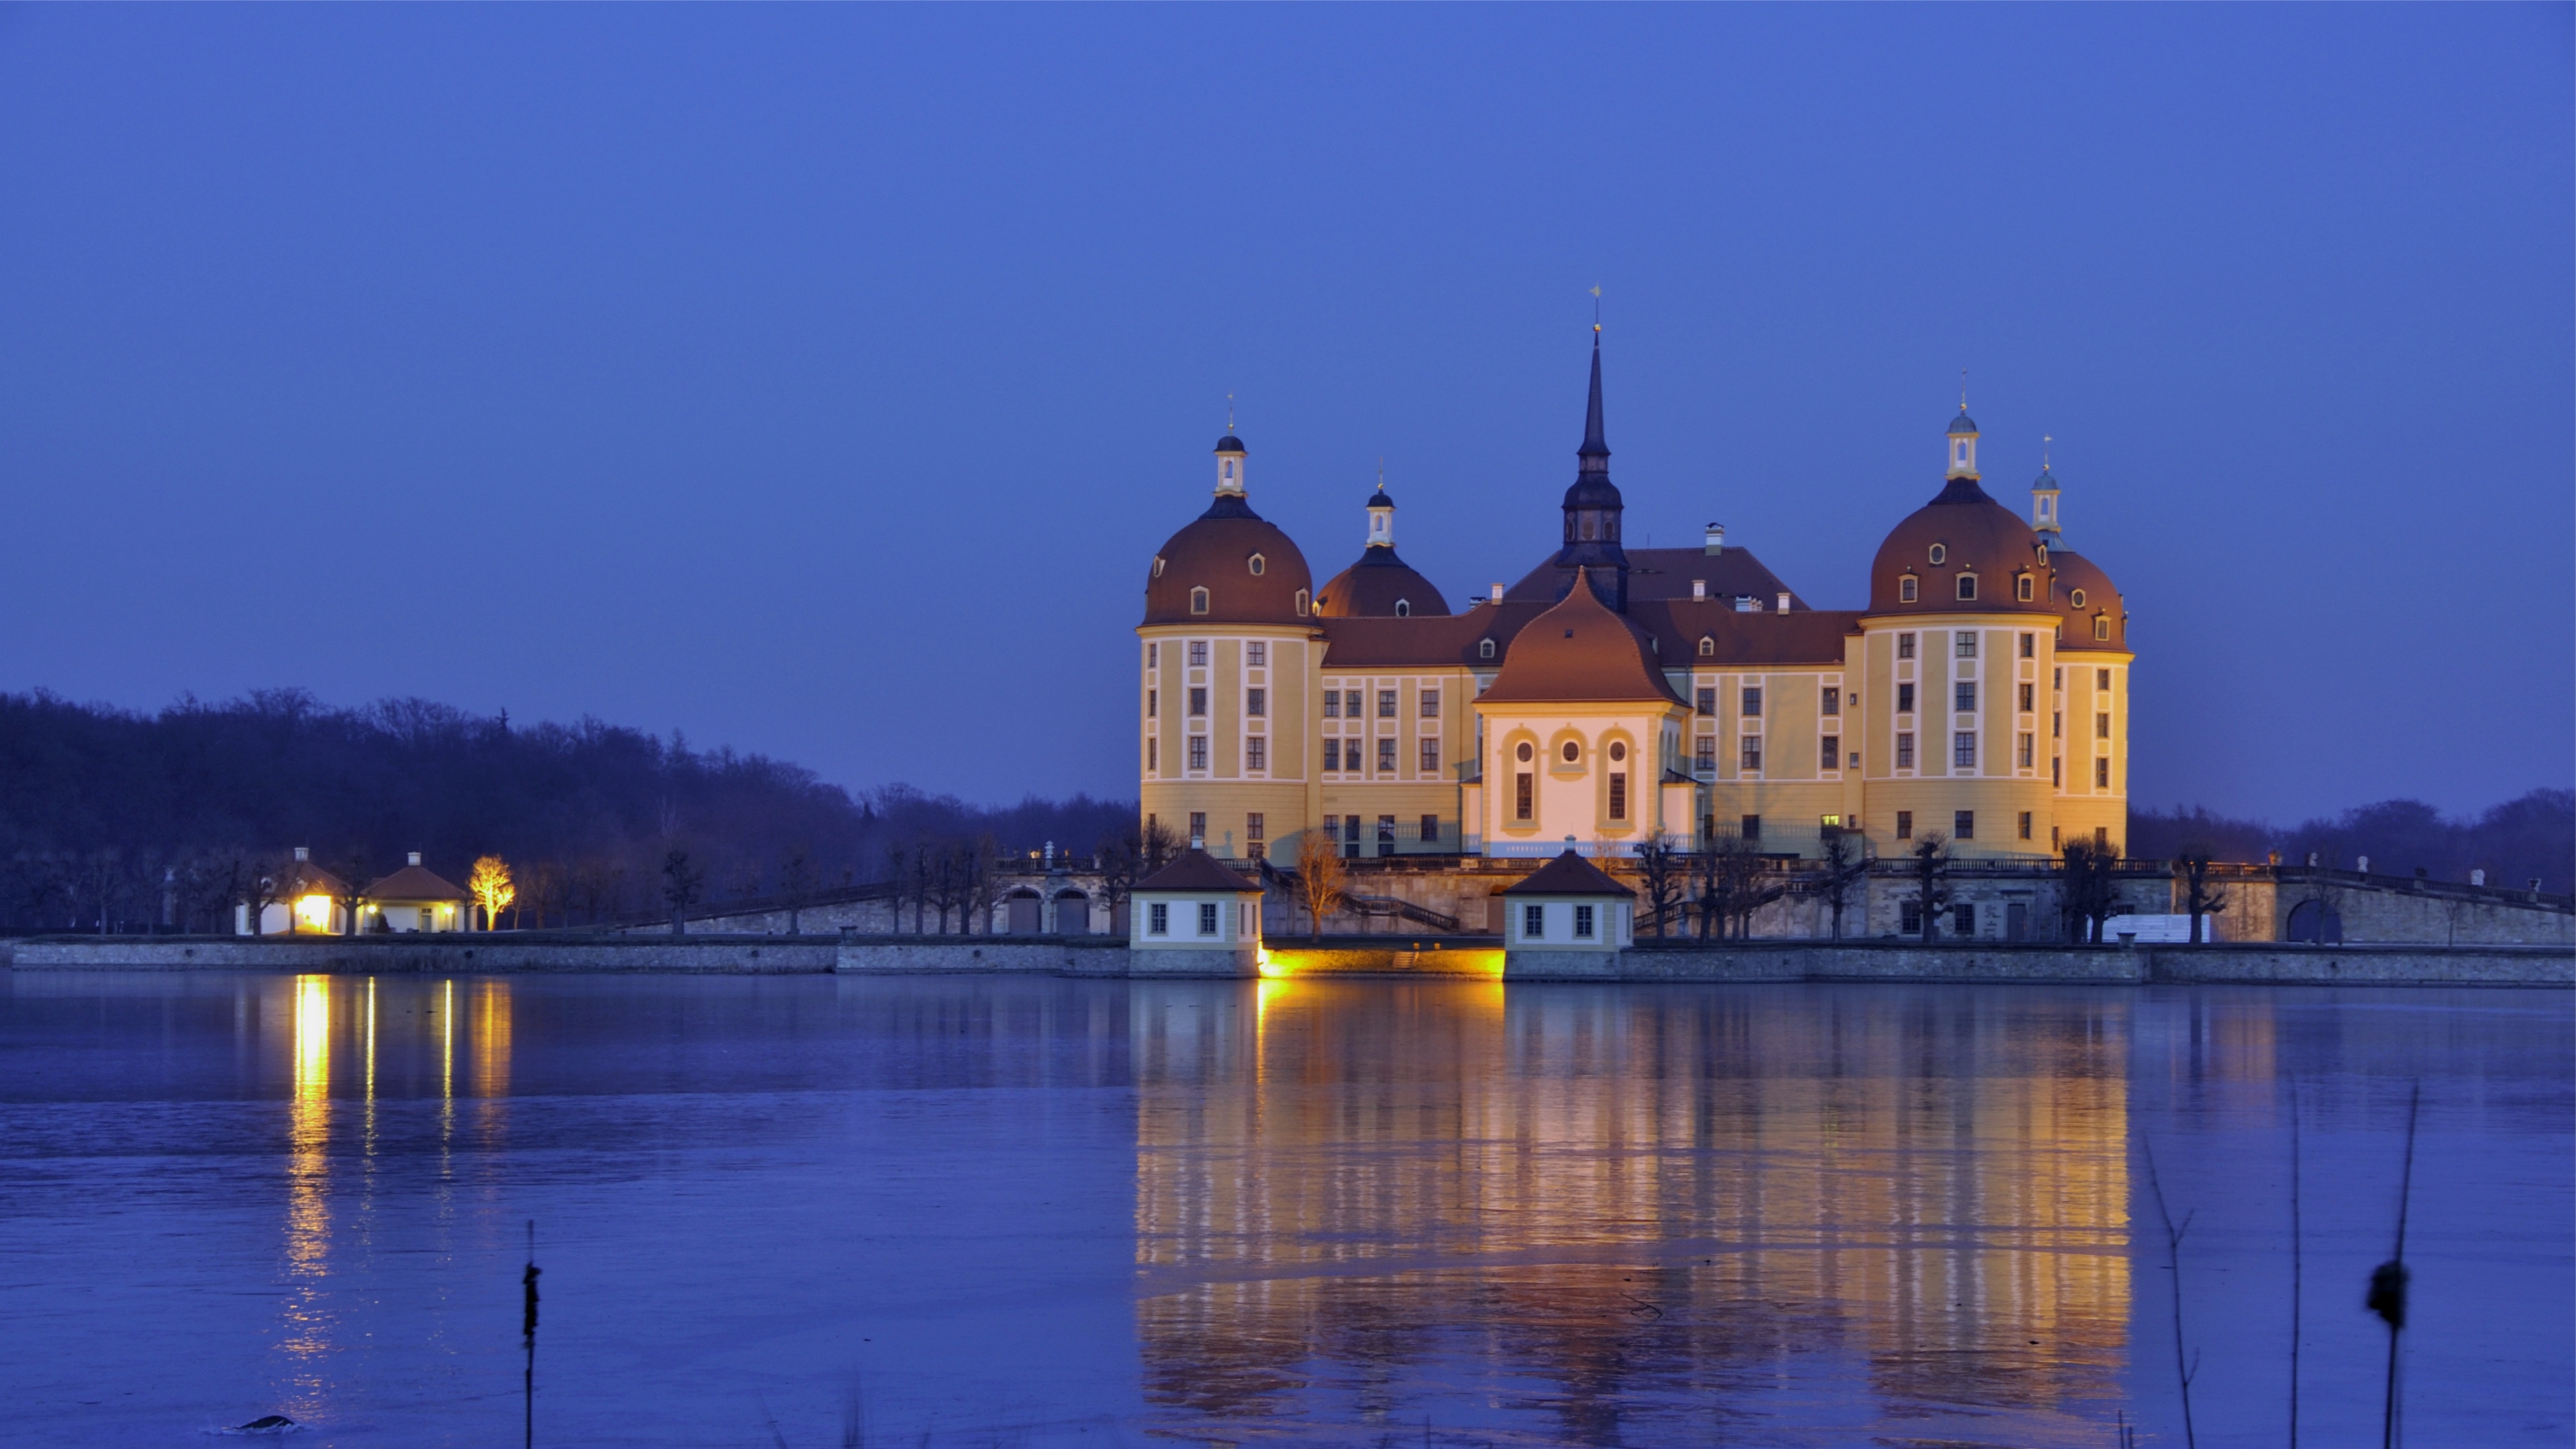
(2184, 1367)
(528, 1333)
(2388, 1280)
(2297, 1244)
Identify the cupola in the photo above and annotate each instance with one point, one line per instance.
(1963, 444)
(1381, 516)
(1229, 464)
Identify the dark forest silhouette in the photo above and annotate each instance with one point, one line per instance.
(132, 816)
(2532, 836)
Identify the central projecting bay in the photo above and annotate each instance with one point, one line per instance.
(960, 1210)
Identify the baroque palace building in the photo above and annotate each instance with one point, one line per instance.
(1615, 693)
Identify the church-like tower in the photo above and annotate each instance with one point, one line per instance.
(1592, 509)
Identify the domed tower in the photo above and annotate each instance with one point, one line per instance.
(1958, 665)
(1380, 585)
(1592, 508)
(1227, 652)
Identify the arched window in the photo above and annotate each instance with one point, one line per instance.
(1905, 589)
(1707, 647)
(1301, 603)
(2101, 626)
(1158, 565)
(1198, 601)
(1940, 554)
(1967, 586)
(1257, 563)
(2024, 588)
(1484, 648)
(1404, 608)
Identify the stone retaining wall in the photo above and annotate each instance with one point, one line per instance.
(437, 955)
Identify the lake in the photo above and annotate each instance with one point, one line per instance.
(988, 1211)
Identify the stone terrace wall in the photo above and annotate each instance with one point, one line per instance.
(445, 955)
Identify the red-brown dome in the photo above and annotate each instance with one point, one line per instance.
(1373, 587)
(1962, 531)
(1251, 572)
(2078, 575)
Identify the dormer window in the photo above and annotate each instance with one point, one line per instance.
(2076, 598)
(1484, 648)
(1257, 563)
(1707, 647)
(1940, 554)
(1198, 601)
(1404, 608)
(1158, 565)
(2101, 626)
(1967, 586)
(1301, 603)
(1905, 589)
(2024, 588)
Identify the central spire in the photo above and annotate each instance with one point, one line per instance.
(1595, 452)
(1593, 506)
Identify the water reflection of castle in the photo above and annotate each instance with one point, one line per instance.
(1639, 1216)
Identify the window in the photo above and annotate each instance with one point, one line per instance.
(1523, 753)
(1404, 608)
(1829, 752)
(1256, 654)
(1905, 699)
(1153, 655)
(1386, 704)
(1963, 750)
(1904, 646)
(1431, 704)
(1967, 586)
(2029, 752)
(1257, 564)
(1573, 751)
(1153, 754)
(2024, 590)
(1833, 701)
(1905, 749)
(1618, 794)
(2026, 697)
(2101, 626)
(1905, 589)
(1905, 825)
(1521, 795)
(1158, 919)
(2076, 598)
(1256, 702)
(1583, 923)
(1707, 702)
(2057, 724)
(1753, 704)
(1940, 554)
(2102, 773)
(1910, 917)
(1198, 653)
(1207, 918)
(1533, 919)
(1964, 698)
(1386, 834)
(1484, 648)
(1153, 702)
(1198, 828)
(1386, 757)
(2029, 642)
(1351, 832)
(1704, 758)
(2057, 772)
(1966, 644)
(1748, 755)
(1752, 827)
(1963, 921)
(1428, 761)
(2102, 725)
(1332, 704)
(2101, 837)
(2102, 681)
(1198, 702)
(1301, 603)
(1256, 753)
(2025, 825)
(1332, 754)
(1963, 825)
(1431, 830)
(1198, 604)
(1198, 752)
(1255, 829)
(1707, 647)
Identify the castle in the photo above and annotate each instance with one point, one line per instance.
(1614, 695)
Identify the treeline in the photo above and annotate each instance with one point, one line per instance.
(2531, 837)
(125, 817)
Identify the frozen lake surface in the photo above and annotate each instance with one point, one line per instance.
(1040, 1212)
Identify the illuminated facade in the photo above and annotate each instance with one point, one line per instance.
(1615, 693)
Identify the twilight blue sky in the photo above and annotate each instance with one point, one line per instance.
(820, 380)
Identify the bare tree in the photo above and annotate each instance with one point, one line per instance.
(1160, 845)
(97, 887)
(601, 886)
(263, 884)
(2102, 893)
(2200, 900)
(1846, 866)
(1319, 878)
(682, 885)
(351, 897)
(548, 889)
(1732, 888)
(1121, 857)
(1664, 870)
(798, 879)
(1931, 881)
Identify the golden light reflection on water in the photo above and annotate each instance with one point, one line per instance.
(1607, 1205)
(308, 1191)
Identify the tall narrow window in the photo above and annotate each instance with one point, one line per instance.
(2028, 643)
(1583, 923)
(1207, 918)
(1386, 704)
(1158, 919)
(1333, 755)
(1905, 749)
(2026, 697)
(1427, 758)
(1198, 829)
(2102, 626)
(2025, 825)
(1256, 753)
(1431, 704)
(2024, 590)
(1153, 702)
(1905, 698)
(1829, 752)
(1904, 646)
(1198, 651)
(1256, 654)
(1198, 601)
(1255, 829)
(1256, 702)
(2102, 681)
(1431, 830)
(1905, 589)
(1386, 757)
(1905, 825)
(1198, 701)
(1521, 795)
(1301, 603)
(1707, 702)
(1753, 703)
(1704, 757)
(1153, 655)
(1967, 586)
(1966, 644)
(2057, 771)
(1963, 825)
(1832, 702)
(1752, 829)
(1618, 794)
(1963, 750)
(1153, 754)
(1198, 752)
(1964, 697)
(2029, 752)
(2102, 773)
(1484, 648)
(1533, 923)
(1332, 704)
(1749, 754)
(2102, 725)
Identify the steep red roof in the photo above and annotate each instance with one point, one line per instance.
(1579, 651)
(1567, 875)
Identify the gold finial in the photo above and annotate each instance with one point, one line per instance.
(1229, 412)
(2044, 440)
(1381, 472)
(1963, 389)
(1596, 307)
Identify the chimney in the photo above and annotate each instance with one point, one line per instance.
(1784, 603)
(303, 852)
(1716, 539)
(415, 857)
(1699, 589)
(1498, 593)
